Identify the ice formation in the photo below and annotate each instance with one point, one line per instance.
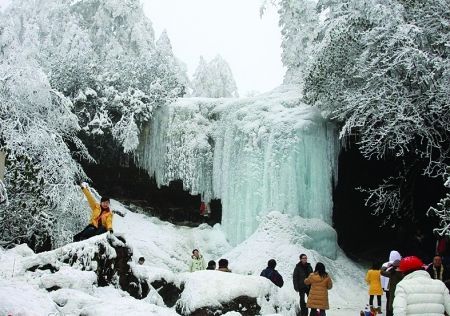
(269, 152)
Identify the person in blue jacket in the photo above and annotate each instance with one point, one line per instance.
(272, 274)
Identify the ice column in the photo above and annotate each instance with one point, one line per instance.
(257, 155)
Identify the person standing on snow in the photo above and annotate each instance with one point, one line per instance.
(101, 216)
(197, 261)
(418, 294)
(393, 255)
(374, 282)
(223, 265)
(393, 273)
(272, 274)
(302, 270)
(320, 283)
(437, 271)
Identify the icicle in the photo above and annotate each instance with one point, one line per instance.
(257, 155)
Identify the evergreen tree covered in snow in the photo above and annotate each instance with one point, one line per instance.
(381, 69)
(102, 55)
(214, 79)
(200, 79)
(299, 21)
(164, 49)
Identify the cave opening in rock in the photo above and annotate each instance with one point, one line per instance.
(361, 234)
(122, 180)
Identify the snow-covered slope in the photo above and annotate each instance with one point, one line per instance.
(167, 250)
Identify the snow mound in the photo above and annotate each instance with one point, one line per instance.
(21, 299)
(284, 237)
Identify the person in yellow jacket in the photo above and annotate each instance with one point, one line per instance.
(374, 281)
(101, 216)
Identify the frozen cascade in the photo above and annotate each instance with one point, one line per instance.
(269, 152)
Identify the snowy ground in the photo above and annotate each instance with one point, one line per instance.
(167, 250)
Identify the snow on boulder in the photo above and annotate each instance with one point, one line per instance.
(72, 301)
(221, 292)
(69, 278)
(165, 286)
(107, 256)
(19, 298)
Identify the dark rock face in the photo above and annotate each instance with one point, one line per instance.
(169, 292)
(351, 215)
(245, 305)
(47, 266)
(116, 175)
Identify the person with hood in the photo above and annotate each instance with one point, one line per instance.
(302, 270)
(101, 216)
(197, 261)
(418, 294)
(393, 273)
(374, 282)
(320, 283)
(272, 274)
(393, 255)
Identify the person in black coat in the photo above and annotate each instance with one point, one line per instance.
(438, 271)
(392, 272)
(302, 270)
(272, 274)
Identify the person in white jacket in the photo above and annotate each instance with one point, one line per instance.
(418, 294)
(197, 261)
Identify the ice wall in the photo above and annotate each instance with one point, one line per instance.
(259, 154)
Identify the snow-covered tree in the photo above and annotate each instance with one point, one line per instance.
(36, 127)
(200, 79)
(214, 79)
(442, 211)
(66, 67)
(105, 47)
(299, 21)
(381, 70)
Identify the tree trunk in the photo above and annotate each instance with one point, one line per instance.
(2, 165)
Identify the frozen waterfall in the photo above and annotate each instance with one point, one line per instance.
(270, 152)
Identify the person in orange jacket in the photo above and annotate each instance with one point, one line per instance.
(101, 216)
(374, 281)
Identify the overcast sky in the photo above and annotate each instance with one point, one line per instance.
(232, 28)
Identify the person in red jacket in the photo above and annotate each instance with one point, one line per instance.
(101, 216)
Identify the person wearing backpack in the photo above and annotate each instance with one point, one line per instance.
(272, 274)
